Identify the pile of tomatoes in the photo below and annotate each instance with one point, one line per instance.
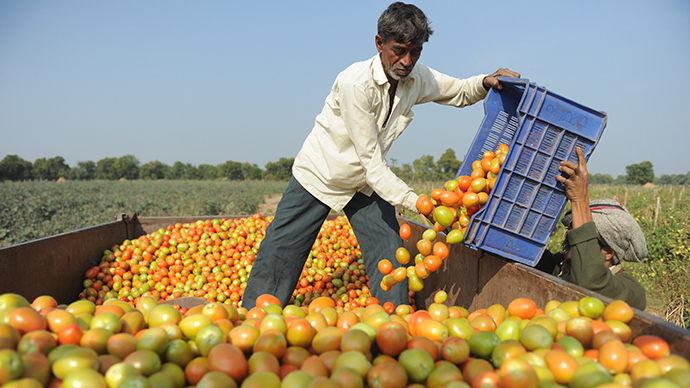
(451, 208)
(574, 344)
(212, 259)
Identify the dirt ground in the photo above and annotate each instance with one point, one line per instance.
(269, 205)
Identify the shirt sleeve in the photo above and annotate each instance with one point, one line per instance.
(444, 89)
(589, 269)
(357, 114)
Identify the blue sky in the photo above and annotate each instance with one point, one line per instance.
(204, 82)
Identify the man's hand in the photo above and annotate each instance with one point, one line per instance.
(491, 81)
(576, 185)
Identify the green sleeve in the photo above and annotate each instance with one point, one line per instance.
(590, 271)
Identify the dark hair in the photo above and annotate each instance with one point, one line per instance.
(405, 23)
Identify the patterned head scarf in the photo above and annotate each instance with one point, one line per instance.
(617, 228)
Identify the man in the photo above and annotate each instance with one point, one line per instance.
(601, 234)
(342, 165)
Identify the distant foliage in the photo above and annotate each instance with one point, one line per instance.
(33, 210)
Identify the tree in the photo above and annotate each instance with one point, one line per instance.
(105, 169)
(447, 165)
(207, 172)
(601, 179)
(50, 169)
(641, 173)
(127, 167)
(154, 170)
(424, 168)
(280, 170)
(14, 168)
(85, 171)
(231, 170)
(251, 172)
(181, 170)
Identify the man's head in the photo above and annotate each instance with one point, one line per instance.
(402, 31)
(619, 233)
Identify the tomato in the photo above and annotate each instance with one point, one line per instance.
(133, 322)
(516, 373)
(11, 365)
(26, 319)
(198, 367)
(263, 379)
(192, 324)
(482, 343)
(618, 310)
(207, 338)
(417, 363)
(346, 377)
(522, 307)
(118, 372)
(298, 378)
(353, 360)
(449, 198)
(106, 320)
(423, 343)
(73, 360)
(405, 231)
(591, 374)
(508, 330)
(432, 329)
(214, 379)
(644, 369)
(561, 364)
(327, 339)
(443, 215)
(84, 378)
(82, 306)
(474, 366)
(443, 375)
(179, 352)
(228, 359)
(483, 322)
(424, 205)
(455, 350)
(506, 350)
(652, 346)
(163, 313)
(272, 341)
(621, 329)
(613, 355)
(314, 367)
(571, 346)
(534, 337)
(671, 361)
(36, 366)
(438, 311)
(320, 303)
(581, 329)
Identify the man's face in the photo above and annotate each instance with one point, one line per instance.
(398, 59)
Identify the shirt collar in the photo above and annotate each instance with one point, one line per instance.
(380, 74)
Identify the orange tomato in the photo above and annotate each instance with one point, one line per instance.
(391, 338)
(449, 198)
(385, 266)
(266, 299)
(618, 310)
(464, 182)
(652, 346)
(440, 249)
(561, 364)
(470, 199)
(424, 247)
(503, 147)
(524, 308)
(424, 205)
(432, 262)
(478, 173)
(405, 231)
(435, 194)
(486, 163)
(613, 355)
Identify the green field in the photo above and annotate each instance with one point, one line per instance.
(32, 210)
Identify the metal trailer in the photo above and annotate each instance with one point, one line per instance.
(472, 278)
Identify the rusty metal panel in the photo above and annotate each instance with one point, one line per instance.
(56, 265)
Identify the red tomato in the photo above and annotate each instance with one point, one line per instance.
(391, 338)
(228, 359)
(405, 231)
(652, 346)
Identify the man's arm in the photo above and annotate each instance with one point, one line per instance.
(491, 81)
(576, 188)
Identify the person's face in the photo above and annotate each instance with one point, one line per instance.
(398, 59)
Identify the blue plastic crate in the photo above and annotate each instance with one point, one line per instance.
(542, 129)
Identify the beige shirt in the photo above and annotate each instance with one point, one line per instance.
(346, 150)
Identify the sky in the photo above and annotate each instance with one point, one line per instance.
(204, 82)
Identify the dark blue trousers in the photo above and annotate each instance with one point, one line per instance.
(291, 235)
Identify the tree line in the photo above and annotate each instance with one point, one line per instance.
(128, 167)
